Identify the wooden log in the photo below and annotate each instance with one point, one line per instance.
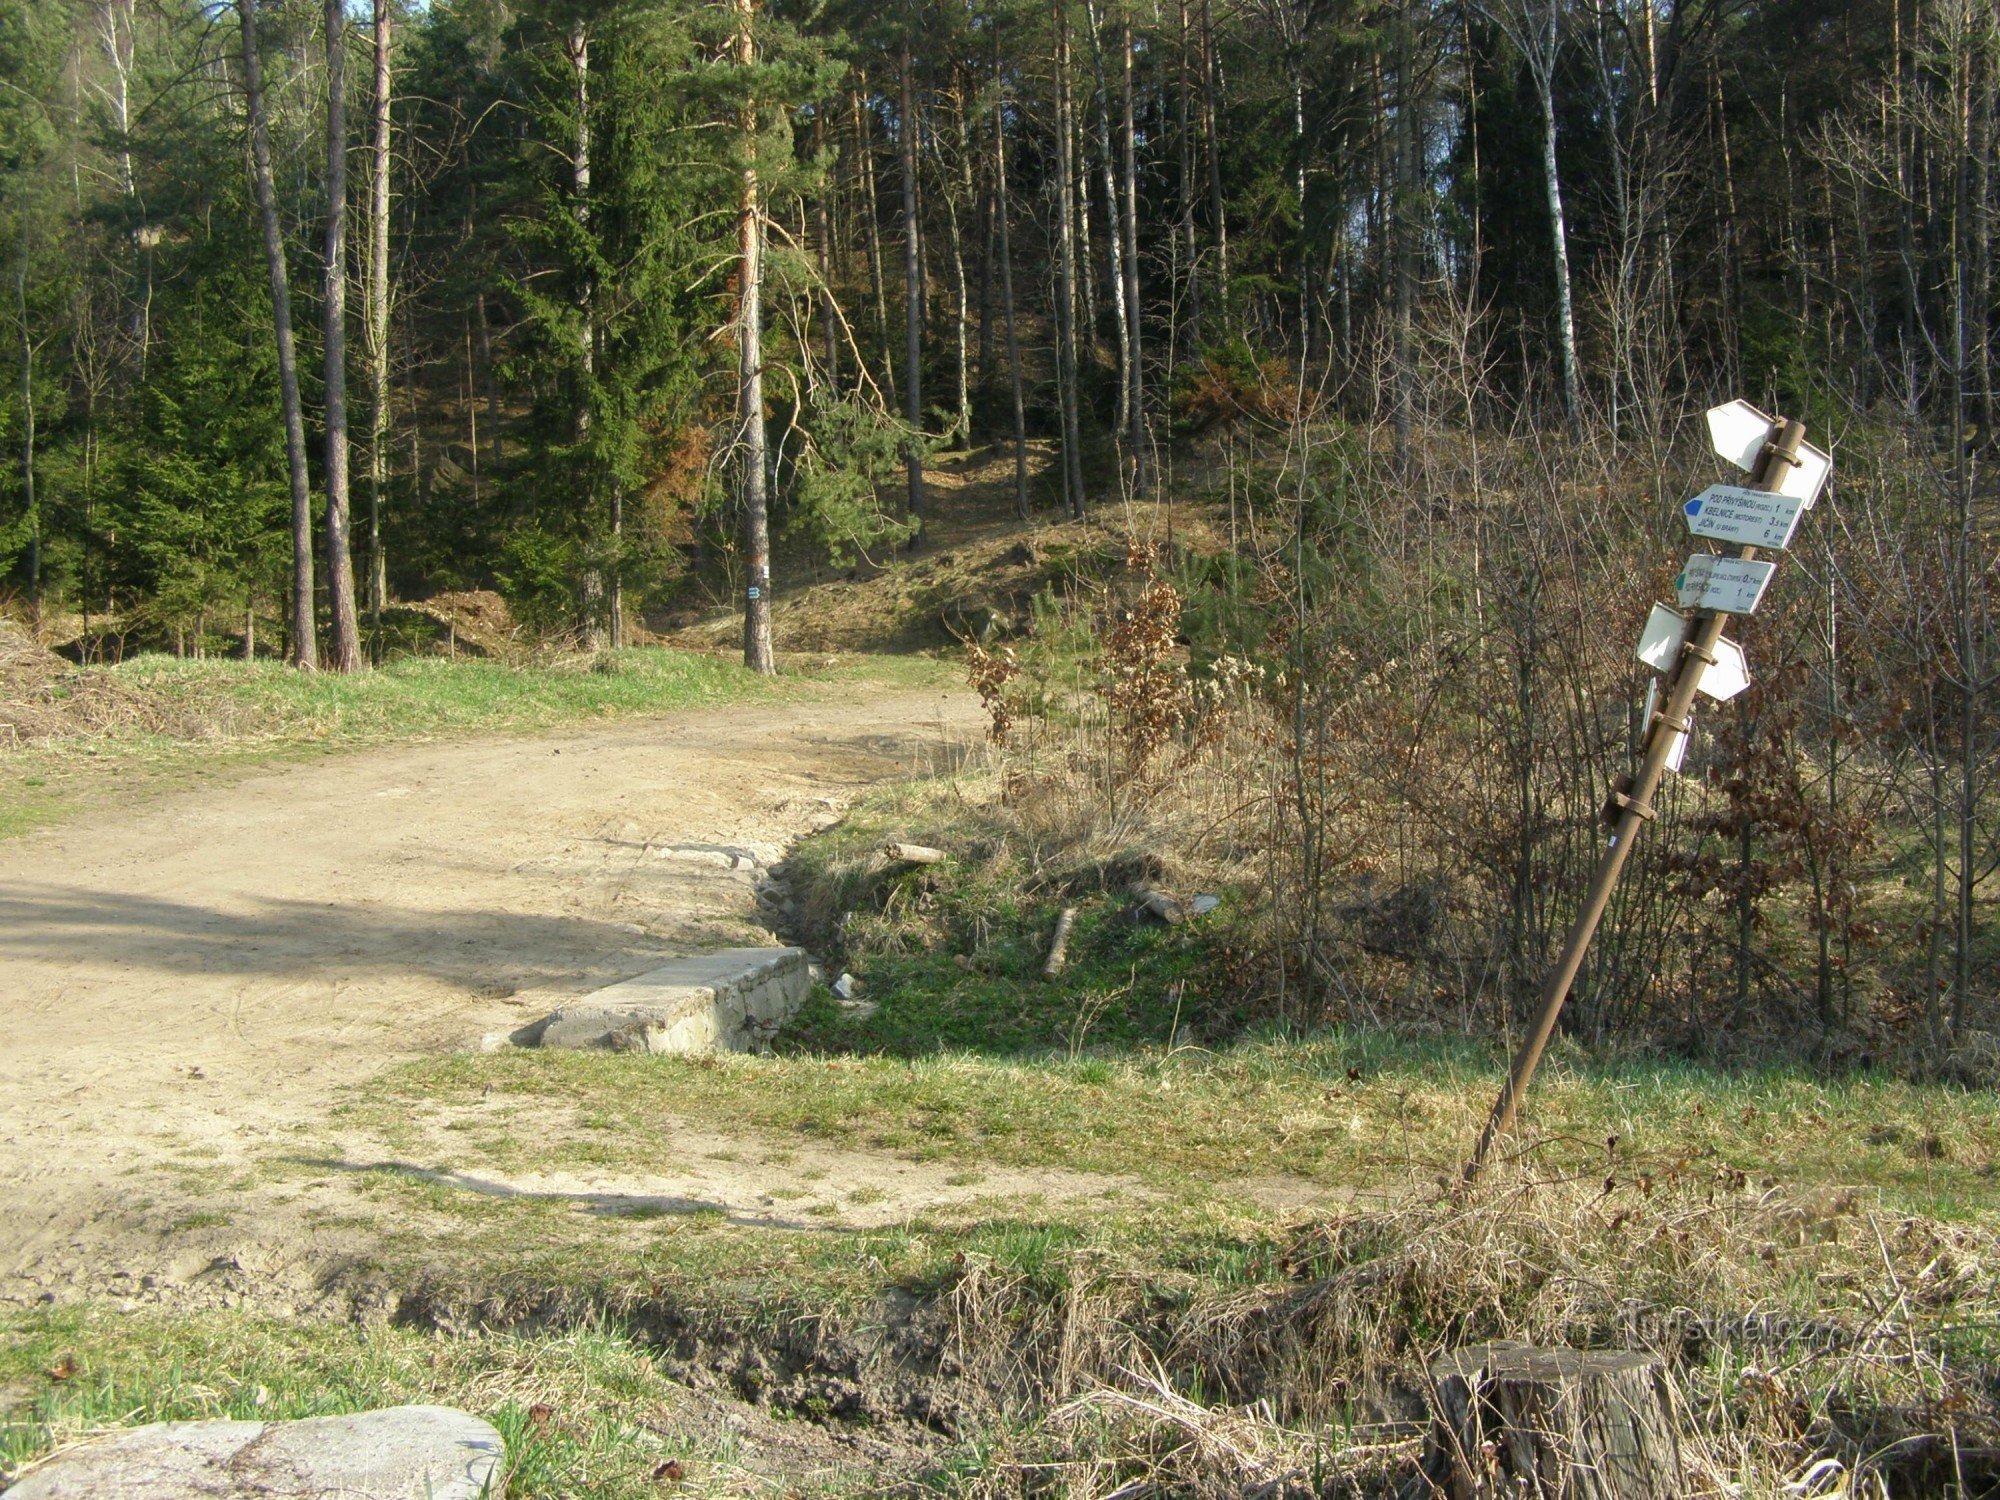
(913, 854)
(1059, 947)
(1158, 905)
(1558, 1424)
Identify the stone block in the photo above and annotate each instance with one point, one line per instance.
(398, 1453)
(728, 1001)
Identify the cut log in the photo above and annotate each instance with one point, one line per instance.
(913, 854)
(1558, 1424)
(1059, 948)
(1158, 906)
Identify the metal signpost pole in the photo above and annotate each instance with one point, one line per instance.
(1635, 809)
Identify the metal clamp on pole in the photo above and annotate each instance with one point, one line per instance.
(1628, 803)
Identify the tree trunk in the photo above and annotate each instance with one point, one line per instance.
(823, 250)
(913, 302)
(576, 48)
(302, 645)
(1002, 216)
(985, 231)
(1114, 237)
(1406, 190)
(757, 655)
(1186, 256)
(1135, 412)
(31, 509)
(1551, 1424)
(1066, 368)
(1218, 215)
(1543, 66)
(482, 330)
(878, 275)
(378, 318)
(346, 642)
(962, 294)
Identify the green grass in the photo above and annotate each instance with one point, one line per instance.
(951, 954)
(1343, 1112)
(585, 1413)
(235, 714)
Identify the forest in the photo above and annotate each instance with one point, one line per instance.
(601, 304)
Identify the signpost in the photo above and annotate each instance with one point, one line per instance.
(1750, 518)
(1660, 647)
(1741, 433)
(1727, 585)
(1695, 658)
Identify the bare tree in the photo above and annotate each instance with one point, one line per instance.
(302, 645)
(1135, 411)
(376, 327)
(1535, 27)
(913, 299)
(757, 655)
(1003, 214)
(346, 643)
(1066, 337)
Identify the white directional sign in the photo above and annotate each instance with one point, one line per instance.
(1727, 585)
(1729, 675)
(1679, 752)
(1660, 642)
(1660, 648)
(1738, 431)
(1752, 518)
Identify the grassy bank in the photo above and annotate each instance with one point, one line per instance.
(1330, 1116)
(191, 721)
(1257, 1231)
(584, 1412)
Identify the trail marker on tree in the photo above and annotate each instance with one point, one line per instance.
(1694, 658)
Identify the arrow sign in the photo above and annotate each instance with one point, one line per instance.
(1729, 676)
(1751, 518)
(1679, 753)
(1726, 585)
(1738, 431)
(1660, 643)
(1660, 648)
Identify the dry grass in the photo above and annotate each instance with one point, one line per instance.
(45, 698)
(1813, 1348)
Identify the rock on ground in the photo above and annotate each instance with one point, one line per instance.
(399, 1453)
(732, 1000)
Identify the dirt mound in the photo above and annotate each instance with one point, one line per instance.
(44, 697)
(476, 622)
(974, 578)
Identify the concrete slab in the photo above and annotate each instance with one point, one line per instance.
(398, 1453)
(728, 1001)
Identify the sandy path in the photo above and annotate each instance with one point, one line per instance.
(181, 983)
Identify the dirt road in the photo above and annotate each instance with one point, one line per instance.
(183, 982)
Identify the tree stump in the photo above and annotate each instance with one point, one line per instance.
(1558, 1424)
